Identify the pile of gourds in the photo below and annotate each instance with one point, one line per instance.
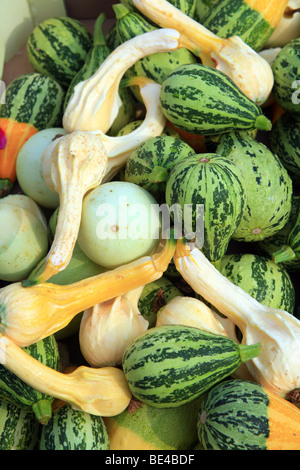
(106, 303)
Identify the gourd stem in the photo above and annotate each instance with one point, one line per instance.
(249, 351)
(120, 10)
(99, 38)
(285, 253)
(262, 123)
(42, 410)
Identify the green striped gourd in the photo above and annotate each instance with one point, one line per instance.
(260, 277)
(202, 100)
(57, 47)
(95, 57)
(71, 429)
(144, 427)
(150, 164)
(18, 428)
(279, 241)
(253, 22)
(154, 296)
(17, 392)
(285, 143)
(203, 7)
(216, 183)
(186, 6)
(243, 415)
(268, 186)
(131, 126)
(286, 67)
(170, 365)
(290, 251)
(154, 66)
(35, 99)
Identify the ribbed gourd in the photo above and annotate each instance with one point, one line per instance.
(213, 188)
(266, 180)
(19, 429)
(250, 72)
(253, 21)
(243, 415)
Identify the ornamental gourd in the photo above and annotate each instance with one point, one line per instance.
(251, 73)
(278, 365)
(30, 313)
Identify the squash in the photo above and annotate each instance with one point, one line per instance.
(28, 314)
(107, 328)
(95, 102)
(278, 365)
(19, 428)
(251, 73)
(243, 415)
(102, 391)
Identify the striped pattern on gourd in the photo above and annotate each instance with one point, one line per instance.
(14, 390)
(265, 281)
(286, 68)
(57, 47)
(285, 143)
(268, 186)
(188, 7)
(71, 429)
(150, 164)
(34, 98)
(171, 365)
(216, 183)
(239, 18)
(18, 428)
(203, 100)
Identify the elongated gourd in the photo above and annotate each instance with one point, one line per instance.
(251, 73)
(95, 102)
(31, 313)
(78, 162)
(102, 391)
(278, 365)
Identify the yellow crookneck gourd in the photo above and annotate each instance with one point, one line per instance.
(95, 102)
(107, 328)
(28, 314)
(102, 391)
(250, 72)
(72, 165)
(278, 365)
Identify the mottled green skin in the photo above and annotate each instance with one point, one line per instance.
(154, 296)
(186, 6)
(34, 98)
(18, 428)
(268, 187)
(71, 429)
(216, 183)
(260, 277)
(163, 428)
(154, 66)
(19, 393)
(236, 18)
(203, 7)
(271, 245)
(150, 164)
(171, 365)
(234, 416)
(203, 100)
(286, 70)
(58, 47)
(285, 143)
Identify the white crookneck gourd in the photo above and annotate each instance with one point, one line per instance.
(28, 314)
(95, 102)
(278, 365)
(102, 391)
(250, 72)
(73, 164)
(107, 328)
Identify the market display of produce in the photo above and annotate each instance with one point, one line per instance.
(150, 231)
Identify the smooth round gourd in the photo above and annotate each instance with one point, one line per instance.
(29, 171)
(24, 242)
(120, 223)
